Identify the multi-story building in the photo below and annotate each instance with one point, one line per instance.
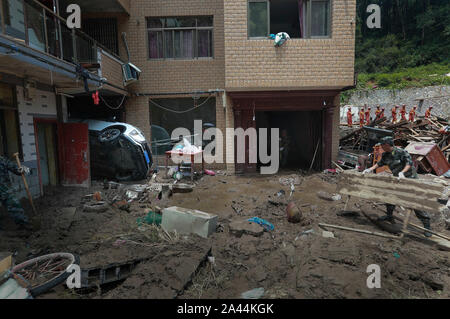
(46, 69)
(209, 60)
(216, 55)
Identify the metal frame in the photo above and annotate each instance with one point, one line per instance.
(49, 14)
(195, 30)
(308, 9)
(307, 24)
(268, 19)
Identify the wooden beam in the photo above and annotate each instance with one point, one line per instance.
(410, 193)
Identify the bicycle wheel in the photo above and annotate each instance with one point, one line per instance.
(45, 272)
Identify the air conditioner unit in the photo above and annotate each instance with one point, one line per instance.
(131, 73)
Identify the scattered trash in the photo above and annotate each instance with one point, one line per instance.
(97, 196)
(327, 196)
(327, 234)
(131, 195)
(212, 260)
(256, 293)
(279, 39)
(294, 215)
(292, 190)
(188, 221)
(281, 193)
(304, 233)
(240, 227)
(181, 188)
(330, 170)
(151, 218)
(209, 172)
(97, 207)
(293, 179)
(447, 224)
(264, 223)
(396, 255)
(12, 290)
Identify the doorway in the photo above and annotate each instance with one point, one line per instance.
(47, 152)
(302, 136)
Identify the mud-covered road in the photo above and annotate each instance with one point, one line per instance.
(292, 261)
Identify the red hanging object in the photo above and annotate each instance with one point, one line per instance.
(96, 98)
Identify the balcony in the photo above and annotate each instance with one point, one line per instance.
(88, 6)
(36, 43)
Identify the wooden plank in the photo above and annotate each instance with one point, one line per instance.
(410, 193)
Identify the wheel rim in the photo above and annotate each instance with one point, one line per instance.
(43, 269)
(110, 134)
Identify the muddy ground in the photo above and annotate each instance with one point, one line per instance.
(285, 262)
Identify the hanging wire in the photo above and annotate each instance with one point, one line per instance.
(111, 107)
(180, 112)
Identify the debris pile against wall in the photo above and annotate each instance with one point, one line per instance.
(436, 96)
(426, 139)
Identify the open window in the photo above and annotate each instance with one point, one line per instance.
(298, 18)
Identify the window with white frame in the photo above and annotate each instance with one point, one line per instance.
(298, 18)
(180, 37)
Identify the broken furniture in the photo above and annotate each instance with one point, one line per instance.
(191, 156)
(188, 221)
(429, 157)
(420, 194)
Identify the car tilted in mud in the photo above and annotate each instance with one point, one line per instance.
(118, 151)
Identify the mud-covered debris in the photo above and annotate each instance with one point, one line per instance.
(327, 234)
(240, 227)
(328, 196)
(256, 293)
(294, 215)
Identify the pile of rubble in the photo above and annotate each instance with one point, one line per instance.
(426, 139)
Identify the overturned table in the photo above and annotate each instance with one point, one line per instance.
(170, 154)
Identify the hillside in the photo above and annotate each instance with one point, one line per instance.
(412, 48)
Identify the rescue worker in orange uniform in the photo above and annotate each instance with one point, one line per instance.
(403, 112)
(428, 112)
(361, 117)
(382, 113)
(368, 116)
(412, 114)
(394, 114)
(349, 117)
(377, 113)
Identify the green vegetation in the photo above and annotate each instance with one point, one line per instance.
(412, 48)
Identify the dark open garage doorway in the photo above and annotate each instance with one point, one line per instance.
(301, 139)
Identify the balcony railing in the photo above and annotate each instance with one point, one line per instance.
(33, 24)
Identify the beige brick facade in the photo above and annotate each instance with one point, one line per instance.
(299, 63)
(239, 63)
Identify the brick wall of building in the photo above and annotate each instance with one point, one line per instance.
(164, 76)
(299, 63)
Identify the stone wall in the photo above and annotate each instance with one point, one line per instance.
(436, 96)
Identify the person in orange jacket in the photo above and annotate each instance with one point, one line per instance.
(412, 114)
(368, 116)
(377, 113)
(394, 114)
(382, 113)
(361, 117)
(428, 112)
(403, 112)
(349, 117)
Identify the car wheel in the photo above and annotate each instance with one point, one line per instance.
(109, 135)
